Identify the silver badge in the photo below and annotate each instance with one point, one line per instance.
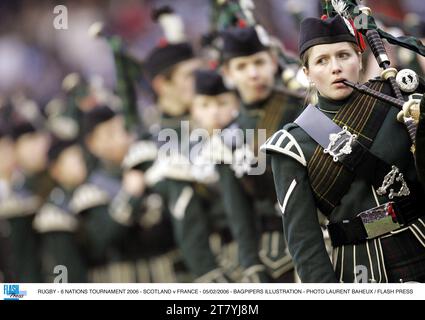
(407, 80)
(389, 179)
(340, 143)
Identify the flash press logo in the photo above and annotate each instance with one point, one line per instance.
(12, 292)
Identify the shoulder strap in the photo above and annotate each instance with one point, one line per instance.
(88, 196)
(330, 177)
(51, 218)
(140, 152)
(317, 125)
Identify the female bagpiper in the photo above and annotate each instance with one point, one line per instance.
(349, 158)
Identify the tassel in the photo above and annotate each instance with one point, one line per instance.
(361, 41)
(213, 64)
(242, 23)
(162, 43)
(359, 37)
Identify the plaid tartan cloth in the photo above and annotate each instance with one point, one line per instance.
(404, 258)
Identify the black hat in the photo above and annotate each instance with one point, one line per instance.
(58, 145)
(24, 117)
(4, 129)
(20, 128)
(162, 58)
(76, 85)
(95, 117)
(314, 31)
(209, 83)
(5, 111)
(240, 42)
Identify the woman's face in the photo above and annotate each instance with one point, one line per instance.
(31, 152)
(253, 76)
(229, 108)
(8, 159)
(70, 168)
(214, 112)
(329, 64)
(110, 141)
(180, 87)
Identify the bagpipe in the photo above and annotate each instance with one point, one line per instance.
(128, 73)
(407, 81)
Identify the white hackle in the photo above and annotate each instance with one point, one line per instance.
(173, 27)
(95, 29)
(341, 8)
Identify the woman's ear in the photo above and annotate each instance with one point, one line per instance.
(305, 70)
(54, 170)
(90, 143)
(275, 60)
(158, 84)
(227, 79)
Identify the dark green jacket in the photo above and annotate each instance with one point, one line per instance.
(60, 244)
(19, 209)
(249, 198)
(420, 147)
(299, 203)
(189, 218)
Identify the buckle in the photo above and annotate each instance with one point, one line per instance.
(379, 220)
(340, 143)
(389, 179)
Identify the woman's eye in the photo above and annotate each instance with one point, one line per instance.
(259, 62)
(344, 55)
(321, 61)
(240, 67)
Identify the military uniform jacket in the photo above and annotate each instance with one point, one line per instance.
(127, 238)
(208, 188)
(58, 227)
(105, 215)
(297, 179)
(420, 146)
(19, 207)
(250, 198)
(172, 177)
